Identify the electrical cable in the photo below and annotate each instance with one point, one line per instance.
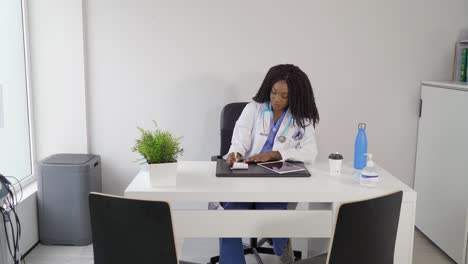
(9, 214)
(21, 190)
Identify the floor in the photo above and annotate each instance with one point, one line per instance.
(425, 252)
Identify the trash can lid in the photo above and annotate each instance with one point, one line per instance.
(68, 159)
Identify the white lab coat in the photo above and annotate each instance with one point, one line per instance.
(252, 129)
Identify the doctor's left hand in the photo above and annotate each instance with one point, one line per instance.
(267, 156)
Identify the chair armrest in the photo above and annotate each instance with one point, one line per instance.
(215, 158)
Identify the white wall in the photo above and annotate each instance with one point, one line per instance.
(183, 61)
(179, 62)
(175, 61)
(58, 92)
(58, 77)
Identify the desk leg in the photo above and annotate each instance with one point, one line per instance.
(318, 246)
(405, 234)
(179, 243)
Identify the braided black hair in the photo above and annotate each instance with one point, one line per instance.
(300, 95)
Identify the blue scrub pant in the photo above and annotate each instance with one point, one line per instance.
(231, 249)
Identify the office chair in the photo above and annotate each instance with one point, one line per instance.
(365, 232)
(229, 116)
(128, 231)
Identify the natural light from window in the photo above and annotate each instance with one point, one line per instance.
(15, 144)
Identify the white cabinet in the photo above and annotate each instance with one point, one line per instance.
(441, 178)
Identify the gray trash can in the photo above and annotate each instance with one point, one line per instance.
(65, 181)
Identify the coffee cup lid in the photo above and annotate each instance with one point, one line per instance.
(335, 156)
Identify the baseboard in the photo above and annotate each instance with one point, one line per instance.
(29, 251)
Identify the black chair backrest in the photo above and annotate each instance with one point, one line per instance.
(131, 231)
(229, 116)
(366, 231)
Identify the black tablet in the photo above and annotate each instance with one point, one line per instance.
(281, 167)
(255, 170)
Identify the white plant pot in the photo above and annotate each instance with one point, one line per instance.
(163, 174)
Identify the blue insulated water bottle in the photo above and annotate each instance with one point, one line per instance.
(360, 147)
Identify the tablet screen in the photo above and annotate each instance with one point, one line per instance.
(280, 167)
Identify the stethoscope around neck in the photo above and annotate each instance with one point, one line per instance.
(282, 137)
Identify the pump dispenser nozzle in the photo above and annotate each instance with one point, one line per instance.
(370, 162)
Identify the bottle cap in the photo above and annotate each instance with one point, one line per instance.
(362, 125)
(335, 156)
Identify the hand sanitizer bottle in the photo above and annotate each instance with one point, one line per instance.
(369, 176)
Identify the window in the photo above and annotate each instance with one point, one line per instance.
(15, 139)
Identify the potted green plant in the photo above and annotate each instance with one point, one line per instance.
(160, 149)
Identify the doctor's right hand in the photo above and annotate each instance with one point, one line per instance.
(233, 157)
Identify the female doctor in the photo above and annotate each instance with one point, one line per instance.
(278, 125)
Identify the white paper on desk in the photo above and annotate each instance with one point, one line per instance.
(240, 166)
(215, 206)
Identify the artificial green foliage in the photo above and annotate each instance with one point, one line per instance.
(157, 146)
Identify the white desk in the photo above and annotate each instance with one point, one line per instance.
(196, 181)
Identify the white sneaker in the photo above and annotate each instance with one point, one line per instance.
(214, 206)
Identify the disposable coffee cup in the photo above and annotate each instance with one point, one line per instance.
(335, 161)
